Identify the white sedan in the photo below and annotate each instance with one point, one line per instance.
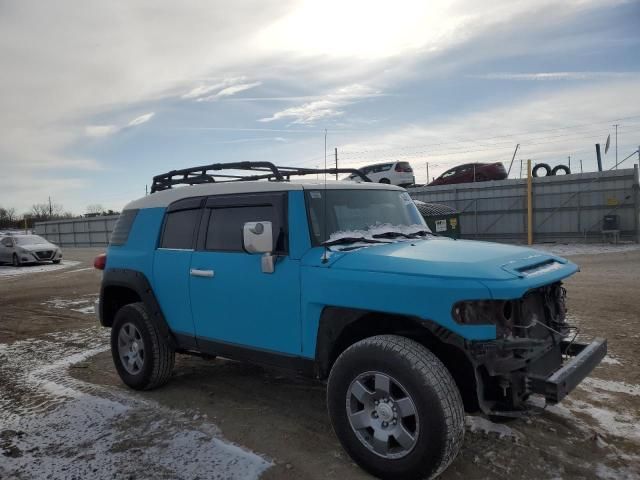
(19, 249)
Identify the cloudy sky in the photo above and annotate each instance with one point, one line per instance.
(97, 97)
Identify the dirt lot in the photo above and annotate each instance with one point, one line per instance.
(65, 414)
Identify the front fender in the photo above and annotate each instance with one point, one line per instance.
(423, 297)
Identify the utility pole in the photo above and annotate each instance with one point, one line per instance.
(569, 162)
(580, 166)
(336, 150)
(616, 125)
(428, 172)
(146, 190)
(513, 158)
(50, 209)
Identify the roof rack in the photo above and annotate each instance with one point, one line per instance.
(265, 171)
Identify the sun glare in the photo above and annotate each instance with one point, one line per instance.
(360, 28)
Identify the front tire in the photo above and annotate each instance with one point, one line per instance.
(395, 408)
(143, 358)
(56, 262)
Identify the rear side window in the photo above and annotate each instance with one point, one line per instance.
(179, 229)
(123, 226)
(404, 167)
(224, 231)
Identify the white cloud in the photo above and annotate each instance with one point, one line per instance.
(141, 119)
(329, 106)
(203, 89)
(229, 91)
(541, 76)
(99, 131)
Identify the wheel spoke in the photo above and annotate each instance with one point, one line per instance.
(380, 442)
(361, 419)
(123, 338)
(405, 407)
(137, 363)
(382, 384)
(404, 438)
(359, 391)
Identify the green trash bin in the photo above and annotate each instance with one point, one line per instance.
(442, 219)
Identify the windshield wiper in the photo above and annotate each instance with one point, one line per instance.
(343, 240)
(395, 234)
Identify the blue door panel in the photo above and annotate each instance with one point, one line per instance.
(171, 286)
(242, 305)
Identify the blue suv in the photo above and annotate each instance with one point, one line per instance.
(343, 282)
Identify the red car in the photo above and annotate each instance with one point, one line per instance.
(472, 172)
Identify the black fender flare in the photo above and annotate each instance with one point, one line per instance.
(138, 283)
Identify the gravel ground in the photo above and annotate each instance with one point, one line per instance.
(65, 414)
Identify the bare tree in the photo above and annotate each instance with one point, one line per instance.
(48, 211)
(95, 209)
(8, 218)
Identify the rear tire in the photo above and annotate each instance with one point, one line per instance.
(143, 358)
(15, 261)
(385, 180)
(419, 395)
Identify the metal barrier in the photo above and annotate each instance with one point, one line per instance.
(565, 208)
(78, 232)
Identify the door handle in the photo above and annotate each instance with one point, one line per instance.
(194, 272)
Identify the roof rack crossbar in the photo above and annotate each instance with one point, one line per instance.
(207, 174)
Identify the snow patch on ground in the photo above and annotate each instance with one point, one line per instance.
(481, 424)
(611, 386)
(11, 271)
(620, 424)
(609, 360)
(86, 304)
(567, 250)
(54, 426)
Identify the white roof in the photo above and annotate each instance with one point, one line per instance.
(165, 197)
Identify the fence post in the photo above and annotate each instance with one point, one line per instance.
(636, 201)
(529, 205)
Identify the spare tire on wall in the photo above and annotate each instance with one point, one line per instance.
(562, 168)
(542, 166)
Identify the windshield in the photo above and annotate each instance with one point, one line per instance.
(30, 240)
(359, 210)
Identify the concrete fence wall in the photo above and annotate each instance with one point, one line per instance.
(566, 208)
(78, 232)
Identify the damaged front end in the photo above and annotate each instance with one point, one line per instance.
(534, 351)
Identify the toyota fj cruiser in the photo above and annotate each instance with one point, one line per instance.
(344, 282)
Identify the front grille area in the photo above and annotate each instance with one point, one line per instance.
(541, 313)
(44, 254)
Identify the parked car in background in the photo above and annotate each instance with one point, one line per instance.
(19, 249)
(472, 172)
(393, 173)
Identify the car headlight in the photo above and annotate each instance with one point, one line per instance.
(486, 312)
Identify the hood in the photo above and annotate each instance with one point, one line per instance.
(443, 257)
(36, 247)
